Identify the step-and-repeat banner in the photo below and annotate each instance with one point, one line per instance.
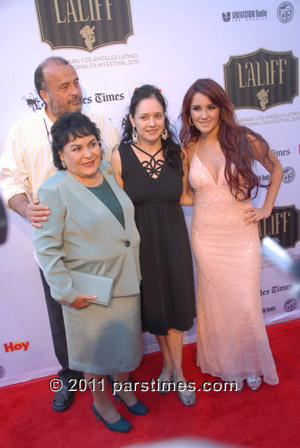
(251, 48)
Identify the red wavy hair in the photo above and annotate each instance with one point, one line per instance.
(236, 141)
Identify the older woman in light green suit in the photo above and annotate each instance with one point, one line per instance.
(91, 229)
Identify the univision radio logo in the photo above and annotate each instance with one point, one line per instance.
(289, 175)
(226, 16)
(85, 24)
(237, 16)
(261, 79)
(283, 224)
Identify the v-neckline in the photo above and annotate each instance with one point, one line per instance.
(95, 198)
(215, 182)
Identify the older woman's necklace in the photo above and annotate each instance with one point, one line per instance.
(153, 167)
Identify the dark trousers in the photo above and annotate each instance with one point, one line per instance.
(58, 332)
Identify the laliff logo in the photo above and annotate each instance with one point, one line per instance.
(263, 99)
(290, 305)
(289, 175)
(283, 224)
(15, 346)
(261, 79)
(285, 12)
(226, 16)
(85, 24)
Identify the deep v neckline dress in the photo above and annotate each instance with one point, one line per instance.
(231, 338)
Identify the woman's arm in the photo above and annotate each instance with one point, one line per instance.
(116, 164)
(49, 247)
(273, 166)
(187, 197)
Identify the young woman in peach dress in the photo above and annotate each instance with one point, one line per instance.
(231, 338)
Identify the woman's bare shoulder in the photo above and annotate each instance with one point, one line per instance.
(189, 151)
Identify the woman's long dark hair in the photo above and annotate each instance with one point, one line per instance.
(171, 148)
(236, 141)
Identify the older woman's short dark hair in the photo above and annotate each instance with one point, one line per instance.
(67, 128)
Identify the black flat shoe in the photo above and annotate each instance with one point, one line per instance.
(63, 399)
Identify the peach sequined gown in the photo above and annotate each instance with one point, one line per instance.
(231, 338)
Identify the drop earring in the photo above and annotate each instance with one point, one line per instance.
(164, 134)
(63, 164)
(134, 136)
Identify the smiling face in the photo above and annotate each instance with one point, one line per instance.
(82, 156)
(205, 114)
(62, 93)
(149, 121)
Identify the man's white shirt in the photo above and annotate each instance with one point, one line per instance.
(27, 161)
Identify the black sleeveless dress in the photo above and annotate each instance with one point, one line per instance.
(168, 296)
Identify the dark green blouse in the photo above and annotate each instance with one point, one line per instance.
(108, 197)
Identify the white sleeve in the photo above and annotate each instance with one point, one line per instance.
(13, 173)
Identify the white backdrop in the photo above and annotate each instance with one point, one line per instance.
(173, 44)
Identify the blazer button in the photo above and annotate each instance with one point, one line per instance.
(127, 244)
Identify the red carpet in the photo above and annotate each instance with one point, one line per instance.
(266, 418)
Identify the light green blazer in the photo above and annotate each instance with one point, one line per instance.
(83, 234)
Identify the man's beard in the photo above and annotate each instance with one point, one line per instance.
(58, 111)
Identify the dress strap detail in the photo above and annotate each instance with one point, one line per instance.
(196, 148)
(153, 167)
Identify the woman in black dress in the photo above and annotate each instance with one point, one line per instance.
(151, 168)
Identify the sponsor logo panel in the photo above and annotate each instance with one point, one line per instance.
(84, 24)
(283, 224)
(289, 175)
(285, 12)
(275, 289)
(10, 347)
(267, 119)
(290, 305)
(262, 79)
(282, 152)
(105, 61)
(99, 97)
(2, 372)
(244, 15)
(269, 309)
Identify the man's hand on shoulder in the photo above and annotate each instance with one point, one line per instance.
(32, 211)
(37, 213)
